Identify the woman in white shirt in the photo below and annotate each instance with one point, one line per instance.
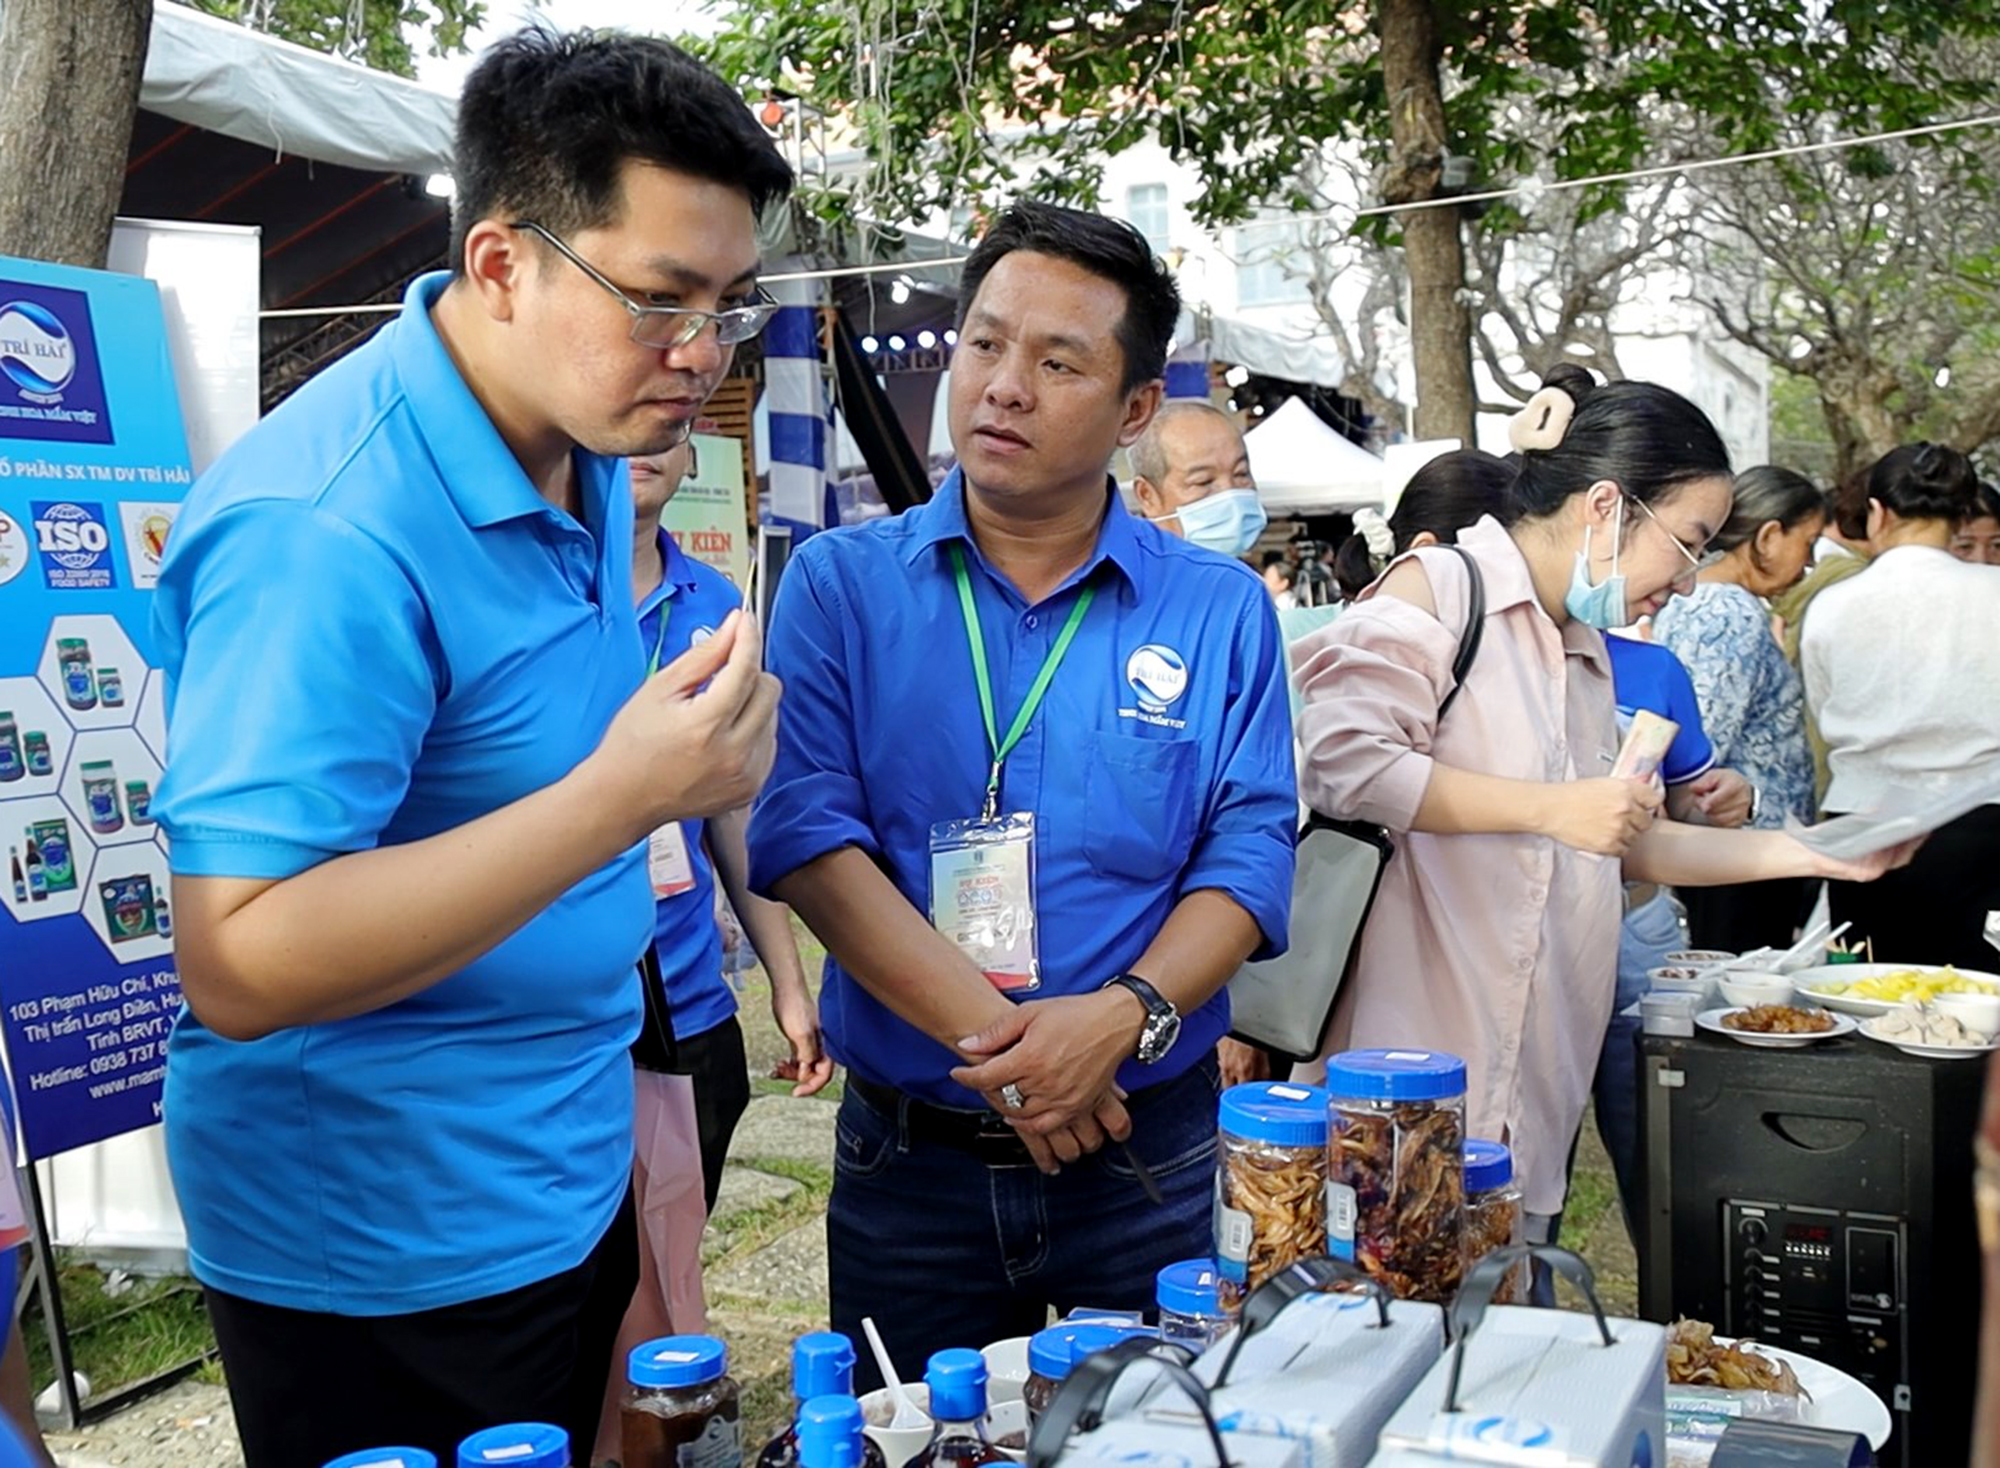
(1902, 671)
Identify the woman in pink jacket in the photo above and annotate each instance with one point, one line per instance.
(1495, 934)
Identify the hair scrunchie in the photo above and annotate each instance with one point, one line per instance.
(1377, 536)
(1542, 421)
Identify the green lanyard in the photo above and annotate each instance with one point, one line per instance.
(977, 641)
(666, 611)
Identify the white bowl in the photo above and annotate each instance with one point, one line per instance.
(1979, 1013)
(1006, 1369)
(1747, 988)
(1003, 1419)
(899, 1446)
(1700, 957)
(1681, 978)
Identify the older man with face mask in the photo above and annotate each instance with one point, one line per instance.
(1191, 474)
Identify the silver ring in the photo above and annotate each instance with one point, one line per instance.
(1011, 1095)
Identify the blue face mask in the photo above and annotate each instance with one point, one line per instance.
(1601, 606)
(1229, 521)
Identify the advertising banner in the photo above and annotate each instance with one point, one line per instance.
(93, 468)
(708, 518)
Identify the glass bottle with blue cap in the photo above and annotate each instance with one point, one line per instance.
(828, 1432)
(386, 1458)
(516, 1445)
(822, 1368)
(957, 1381)
(1271, 1190)
(1396, 1186)
(683, 1409)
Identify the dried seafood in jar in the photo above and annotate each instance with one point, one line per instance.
(1493, 1212)
(1397, 1168)
(1271, 1187)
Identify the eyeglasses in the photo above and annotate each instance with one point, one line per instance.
(1685, 582)
(668, 327)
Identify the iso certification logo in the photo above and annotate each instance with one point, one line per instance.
(75, 546)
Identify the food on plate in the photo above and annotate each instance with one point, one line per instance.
(1695, 1359)
(1778, 1019)
(1910, 1025)
(1907, 986)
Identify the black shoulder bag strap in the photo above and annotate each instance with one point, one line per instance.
(1475, 627)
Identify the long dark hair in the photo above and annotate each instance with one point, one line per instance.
(1447, 494)
(1646, 439)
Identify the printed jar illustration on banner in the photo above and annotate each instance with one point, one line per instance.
(80, 757)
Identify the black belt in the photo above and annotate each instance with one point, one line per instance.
(985, 1134)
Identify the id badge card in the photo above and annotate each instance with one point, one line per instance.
(667, 863)
(983, 896)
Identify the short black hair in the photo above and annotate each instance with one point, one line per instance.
(1925, 481)
(548, 119)
(1646, 439)
(1107, 247)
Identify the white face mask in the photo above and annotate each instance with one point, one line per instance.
(1228, 521)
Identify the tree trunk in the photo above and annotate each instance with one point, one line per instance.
(69, 87)
(1853, 398)
(1434, 252)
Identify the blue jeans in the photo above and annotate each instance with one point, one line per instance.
(1650, 934)
(945, 1249)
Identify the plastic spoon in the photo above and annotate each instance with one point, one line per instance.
(1806, 944)
(908, 1414)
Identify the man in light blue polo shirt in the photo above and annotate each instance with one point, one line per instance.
(412, 768)
(1034, 791)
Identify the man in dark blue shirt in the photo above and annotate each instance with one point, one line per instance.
(1034, 791)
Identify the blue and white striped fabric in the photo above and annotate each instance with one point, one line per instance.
(1187, 372)
(797, 411)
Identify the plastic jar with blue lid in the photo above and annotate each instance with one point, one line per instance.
(1493, 1208)
(1271, 1189)
(1052, 1352)
(386, 1458)
(516, 1445)
(1396, 1177)
(682, 1409)
(1189, 1297)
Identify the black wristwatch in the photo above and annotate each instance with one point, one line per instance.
(1163, 1021)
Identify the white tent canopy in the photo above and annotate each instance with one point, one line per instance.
(229, 79)
(1303, 467)
(1292, 356)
